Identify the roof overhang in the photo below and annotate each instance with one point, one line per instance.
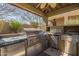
(70, 10)
(29, 8)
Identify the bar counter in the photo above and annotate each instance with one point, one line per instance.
(11, 39)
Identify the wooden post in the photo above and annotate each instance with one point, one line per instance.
(46, 21)
(65, 20)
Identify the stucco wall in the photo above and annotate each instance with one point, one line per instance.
(60, 21)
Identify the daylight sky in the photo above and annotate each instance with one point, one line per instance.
(9, 12)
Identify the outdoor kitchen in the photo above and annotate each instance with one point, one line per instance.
(39, 29)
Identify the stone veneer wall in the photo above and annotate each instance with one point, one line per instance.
(5, 29)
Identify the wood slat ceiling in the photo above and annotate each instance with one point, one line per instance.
(47, 6)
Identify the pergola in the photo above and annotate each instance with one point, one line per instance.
(50, 11)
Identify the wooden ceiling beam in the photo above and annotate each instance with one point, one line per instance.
(30, 8)
(64, 9)
(38, 5)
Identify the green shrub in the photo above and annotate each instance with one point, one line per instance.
(14, 25)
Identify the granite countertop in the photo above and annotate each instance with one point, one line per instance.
(48, 33)
(5, 41)
(12, 34)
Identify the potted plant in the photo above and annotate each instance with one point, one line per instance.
(15, 26)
